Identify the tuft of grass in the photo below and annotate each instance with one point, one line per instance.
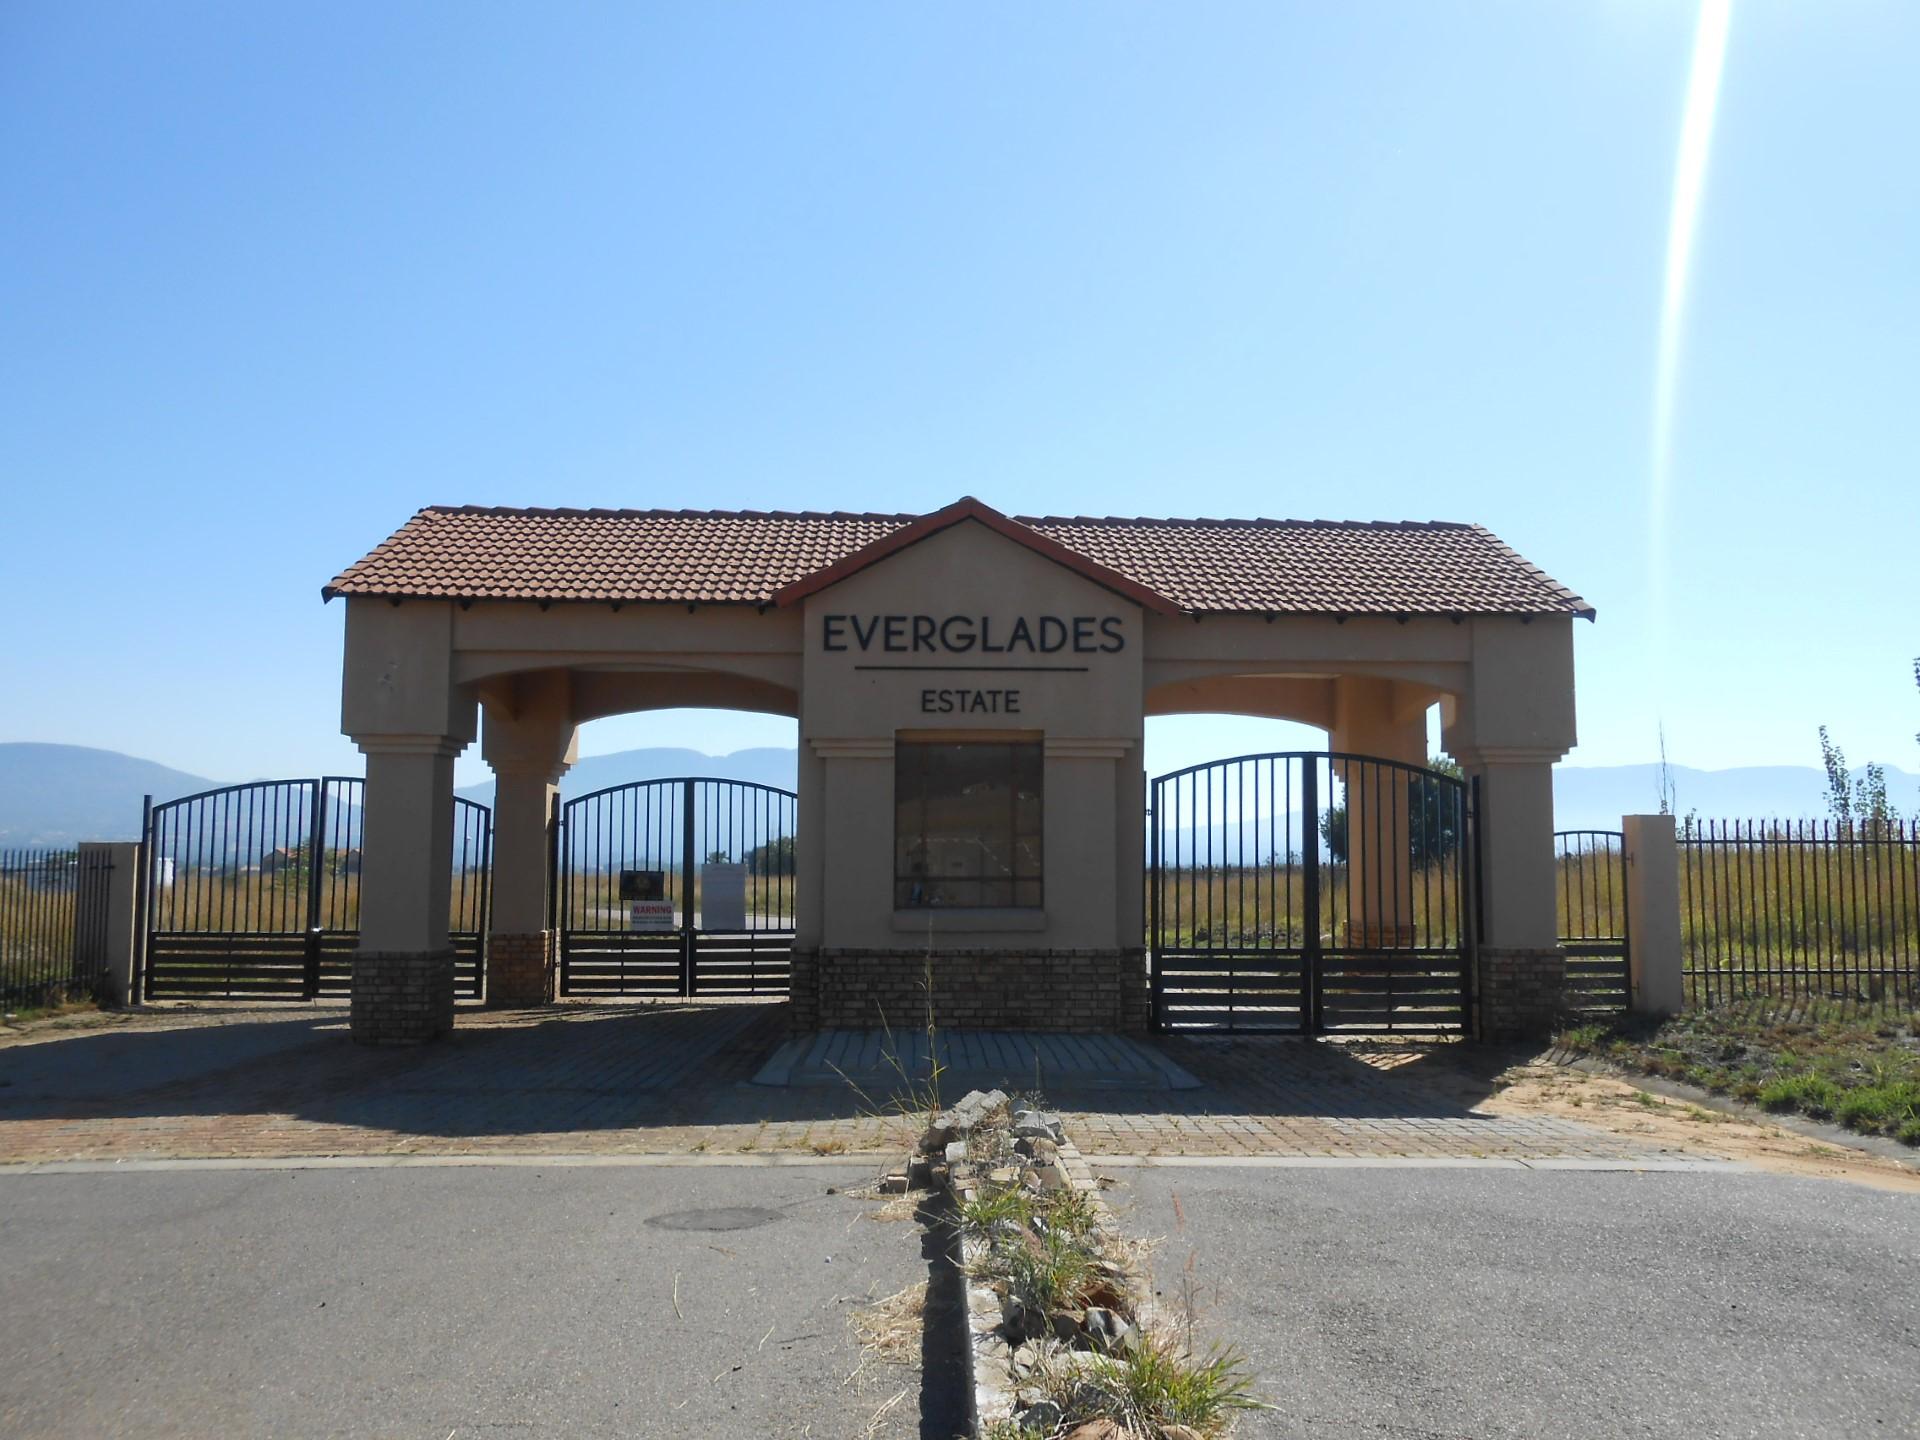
(996, 1210)
(1049, 1272)
(1593, 1035)
(1876, 1108)
(1151, 1387)
(1813, 1095)
(914, 1101)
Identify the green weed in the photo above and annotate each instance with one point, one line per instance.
(1814, 1095)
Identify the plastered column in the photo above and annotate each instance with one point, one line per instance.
(1507, 728)
(403, 969)
(401, 705)
(1656, 980)
(1373, 717)
(1516, 852)
(529, 739)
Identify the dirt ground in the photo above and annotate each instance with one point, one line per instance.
(1547, 1087)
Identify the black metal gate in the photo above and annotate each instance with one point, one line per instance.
(676, 887)
(1592, 902)
(1311, 893)
(252, 892)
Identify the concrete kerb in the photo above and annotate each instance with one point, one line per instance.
(987, 1357)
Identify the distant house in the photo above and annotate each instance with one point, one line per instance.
(339, 862)
(285, 858)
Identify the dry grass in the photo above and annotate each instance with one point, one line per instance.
(1253, 907)
(890, 1329)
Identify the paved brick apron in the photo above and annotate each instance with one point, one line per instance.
(670, 1078)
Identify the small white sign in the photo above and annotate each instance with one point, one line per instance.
(723, 897)
(650, 915)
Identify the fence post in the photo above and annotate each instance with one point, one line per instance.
(1655, 979)
(105, 913)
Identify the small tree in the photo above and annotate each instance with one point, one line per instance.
(1432, 821)
(1667, 796)
(773, 858)
(1856, 799)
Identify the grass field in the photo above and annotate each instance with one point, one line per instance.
(1265, 907)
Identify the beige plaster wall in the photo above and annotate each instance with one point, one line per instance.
(1084, 700)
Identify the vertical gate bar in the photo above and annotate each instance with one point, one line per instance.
(563, 899)
(140, 980)
(1259, 875)
(1155, 976)
(316, 838)
(221, 895)
(484, 921)
(1803, 911)
(1310, 899)
(1824, 884)
(687, 802)
(1240, 853)
(1774, 898)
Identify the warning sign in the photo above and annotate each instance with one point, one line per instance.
(650, 915)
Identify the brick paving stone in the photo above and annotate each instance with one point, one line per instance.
(671, 1077)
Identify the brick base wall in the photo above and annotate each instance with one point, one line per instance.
(520, 969)
(402, 998)
(1075, 990)
(1522, 993)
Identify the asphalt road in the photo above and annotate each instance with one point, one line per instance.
(1418, 1304)
(447, 1302)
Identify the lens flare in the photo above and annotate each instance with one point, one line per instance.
(1689, 181)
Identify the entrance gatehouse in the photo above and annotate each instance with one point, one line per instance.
(968, 836)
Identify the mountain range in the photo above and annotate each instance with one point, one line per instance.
(59, 794)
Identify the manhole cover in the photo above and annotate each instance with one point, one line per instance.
(726, 1217)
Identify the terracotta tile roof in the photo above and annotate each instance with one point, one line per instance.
(1398, 567)
(748, 557)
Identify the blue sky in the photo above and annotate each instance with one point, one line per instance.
(272, 277)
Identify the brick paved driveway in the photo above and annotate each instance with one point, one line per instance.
(672, 1078)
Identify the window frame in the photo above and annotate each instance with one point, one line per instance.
(1013, 742)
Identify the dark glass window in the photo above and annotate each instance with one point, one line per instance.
(966, 824)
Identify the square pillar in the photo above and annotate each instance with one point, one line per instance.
(403, 969)
(1516, 853)
(529, 739)
(106, 943)
(1382, 720)
(1656, 980)
(1520, 983)
(521, 949)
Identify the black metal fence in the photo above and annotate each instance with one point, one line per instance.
(53, 921)
(1591, 871)
(1811, 909)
